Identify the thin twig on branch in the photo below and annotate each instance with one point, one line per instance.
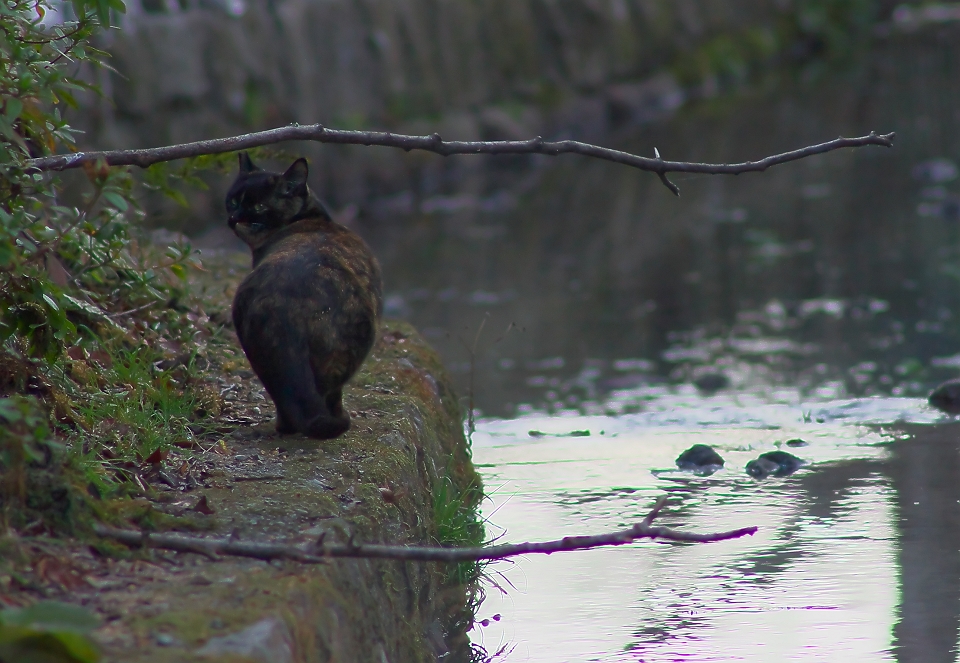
(433, 143)
(321, 550)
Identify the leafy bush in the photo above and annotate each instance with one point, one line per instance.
(64, 267)
(89, 315)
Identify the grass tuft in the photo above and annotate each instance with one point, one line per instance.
(458, 523)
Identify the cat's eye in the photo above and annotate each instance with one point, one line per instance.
(259, 208)
(232, 205)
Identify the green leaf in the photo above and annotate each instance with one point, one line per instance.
(10, 413)
(51, 615)
(7, 253)
(116, 200)
(103, 11)
(12, 108)
(78, 7)
(70, 100)
(49, 300)
(80, 305)
(25, 645)
(79, 646)
(48, 632)
(6, 128)
(177, 197)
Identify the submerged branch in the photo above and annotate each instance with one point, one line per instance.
(433, 143)
(322, 551)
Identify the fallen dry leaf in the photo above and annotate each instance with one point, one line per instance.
(203, 506)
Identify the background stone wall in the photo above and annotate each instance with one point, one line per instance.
(493, 69)
(186, 74)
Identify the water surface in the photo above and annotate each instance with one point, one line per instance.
(855, 557)
(821, 295)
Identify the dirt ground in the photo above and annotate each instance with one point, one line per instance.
(238, 478)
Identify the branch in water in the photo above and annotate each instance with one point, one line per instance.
(322, 551)
(433, 143)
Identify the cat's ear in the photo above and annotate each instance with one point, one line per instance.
(246, 165)
(295, 179)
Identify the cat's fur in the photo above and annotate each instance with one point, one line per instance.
(308, 313)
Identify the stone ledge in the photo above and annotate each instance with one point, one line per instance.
(376, 483)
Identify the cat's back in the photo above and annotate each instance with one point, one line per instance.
(314, 263)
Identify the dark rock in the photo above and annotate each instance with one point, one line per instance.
(946, 397)
(796, 443)
(761, 468)
(711, 383)
(700, 458)
(775, 463)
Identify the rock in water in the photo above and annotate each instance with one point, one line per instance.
(700, 458)
(946, 397)
(711, 383)
(776, 463)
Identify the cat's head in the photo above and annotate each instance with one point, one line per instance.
(260, 202)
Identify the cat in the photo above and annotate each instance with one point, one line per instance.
(308, 313)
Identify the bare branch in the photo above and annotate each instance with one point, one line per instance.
(433, 143)
(322, 551)
(663, 177)
(654, 512)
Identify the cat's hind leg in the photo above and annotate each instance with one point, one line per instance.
(331, 423)
(302, 408)
(289, 381)
(284, 425)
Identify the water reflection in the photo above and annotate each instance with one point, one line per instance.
(856, 556)
(835, 276)
(925, 471)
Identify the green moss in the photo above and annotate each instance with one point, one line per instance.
(36, 485)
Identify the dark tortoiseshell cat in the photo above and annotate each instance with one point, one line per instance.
(308, 313)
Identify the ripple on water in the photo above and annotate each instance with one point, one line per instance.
(822, 566)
